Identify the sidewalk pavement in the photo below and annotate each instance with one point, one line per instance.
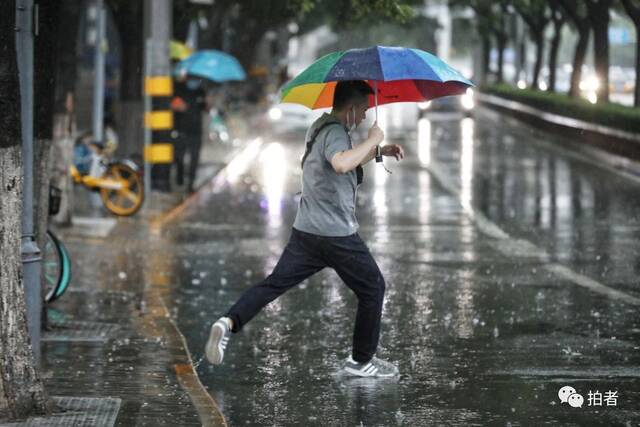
(112, 354)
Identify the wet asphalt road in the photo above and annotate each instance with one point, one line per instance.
(511, 270)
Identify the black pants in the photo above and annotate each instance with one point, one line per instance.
(187, 143)
(306, 254)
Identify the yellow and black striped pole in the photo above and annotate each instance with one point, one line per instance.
(158, 87)
(158, 121)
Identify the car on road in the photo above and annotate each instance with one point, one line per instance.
(449, 104)
(286, 118)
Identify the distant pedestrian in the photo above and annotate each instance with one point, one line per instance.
(325, 232)
(188, 105)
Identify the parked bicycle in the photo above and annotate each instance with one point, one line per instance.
(56, 263)
(119, 182)
(57, 267)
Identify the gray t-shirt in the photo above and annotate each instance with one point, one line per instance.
(328, 202)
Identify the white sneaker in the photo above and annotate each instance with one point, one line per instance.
(218, 340)
(373, 368)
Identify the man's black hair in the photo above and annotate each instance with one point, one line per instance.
(349, 91)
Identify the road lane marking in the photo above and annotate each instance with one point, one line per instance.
(595, 286)
(491, 229)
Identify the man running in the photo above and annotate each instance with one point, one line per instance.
(325, 232)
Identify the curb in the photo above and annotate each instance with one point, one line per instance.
(565, 121)
(158, 323)
(157, 223)
(617, 148)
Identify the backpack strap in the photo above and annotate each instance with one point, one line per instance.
(312, 140)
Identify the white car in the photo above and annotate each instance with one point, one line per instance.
(285, 118)
(464, 103)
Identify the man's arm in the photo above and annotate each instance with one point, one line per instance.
(369, 156)
(348, 160)
(391, 150)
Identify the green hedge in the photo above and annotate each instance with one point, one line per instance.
(612, 115)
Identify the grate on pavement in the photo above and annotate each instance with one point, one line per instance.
(78, 412)
(74, 330)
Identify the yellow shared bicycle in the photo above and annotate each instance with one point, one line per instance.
(119, 182)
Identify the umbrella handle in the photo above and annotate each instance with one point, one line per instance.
(375, 96)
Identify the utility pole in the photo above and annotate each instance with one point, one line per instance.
(158, 92)
(26, 19)
(98, 18)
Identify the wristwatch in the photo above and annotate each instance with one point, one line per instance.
(378, 154)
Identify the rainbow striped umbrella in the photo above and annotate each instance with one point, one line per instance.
(397, 74)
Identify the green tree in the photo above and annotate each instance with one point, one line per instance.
(598, 13)
(558, 18)
(535, 15)
(577, 12)
(484, 21)
(250, 21)
(500, 33)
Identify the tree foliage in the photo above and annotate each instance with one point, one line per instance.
(245, 23)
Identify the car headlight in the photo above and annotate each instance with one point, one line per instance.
(275, 114)
(424, 105)
(467, 100)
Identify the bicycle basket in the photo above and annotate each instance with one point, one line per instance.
(55, 195)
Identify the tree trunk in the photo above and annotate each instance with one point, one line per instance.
(558, 19)
(581, 22)
(599, 18)
(486, 57)
(44, 96)
(213, 35)
(636, 93)
(553, 55)
(501, 40)
(578, 61)
(601, 57)
(633, 10)
(538, 38)
(129, 114)
(245, 46)
(64, 119)
(21, 390)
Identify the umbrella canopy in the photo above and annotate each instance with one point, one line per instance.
(397, 74)
(179, 50)
(213, 65)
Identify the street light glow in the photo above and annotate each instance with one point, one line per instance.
(591, 84)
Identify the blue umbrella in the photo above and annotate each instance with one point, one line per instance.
(213, 65)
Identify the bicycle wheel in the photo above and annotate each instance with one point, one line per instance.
(128, 199)
(56, 267)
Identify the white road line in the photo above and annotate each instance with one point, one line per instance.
(595, 286)
(491, 229)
